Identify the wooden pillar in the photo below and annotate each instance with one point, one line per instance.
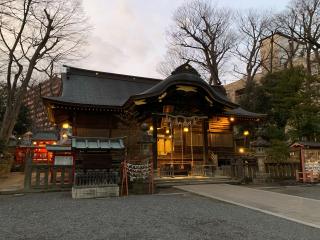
(74, 124)
(28, 170)
(302, 160)
(155, 142)
(205, 140)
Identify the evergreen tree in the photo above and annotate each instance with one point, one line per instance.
(292, 108)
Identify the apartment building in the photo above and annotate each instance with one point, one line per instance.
(33, 101)
(278, 51)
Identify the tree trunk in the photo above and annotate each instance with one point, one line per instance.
(214, 75)
(9, 120)
(317, 55)
(308, 60)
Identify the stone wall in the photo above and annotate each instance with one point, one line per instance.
(95, 192)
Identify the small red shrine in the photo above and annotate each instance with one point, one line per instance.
(39, 142)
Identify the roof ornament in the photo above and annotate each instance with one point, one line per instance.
(185, 68)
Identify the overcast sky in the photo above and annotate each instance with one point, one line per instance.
(129, 37)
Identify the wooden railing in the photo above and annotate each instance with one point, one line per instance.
(44, 176)
(274, 170)
(282, 170)
(241, 169)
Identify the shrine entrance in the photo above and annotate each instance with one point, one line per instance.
(188, 124)
(181, 145)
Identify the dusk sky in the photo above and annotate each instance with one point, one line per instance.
(129, 36)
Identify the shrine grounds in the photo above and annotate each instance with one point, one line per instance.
(168, 215)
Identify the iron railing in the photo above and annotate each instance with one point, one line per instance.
(96, 178)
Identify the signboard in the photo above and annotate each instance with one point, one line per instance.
(63, 160)
(312, 160)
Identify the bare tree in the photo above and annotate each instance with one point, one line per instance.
(203, 35)
(33, 35)
(286, 25)
(306, 27)
(171, 60)
(252, 27)
(309, 19)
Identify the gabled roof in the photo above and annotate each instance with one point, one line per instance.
(306, 144)
(87, 87)
(186, 75)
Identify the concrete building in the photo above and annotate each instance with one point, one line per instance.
(33, 101)
(278, 52)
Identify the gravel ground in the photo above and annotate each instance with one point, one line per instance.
(306, 190)
(162, 216)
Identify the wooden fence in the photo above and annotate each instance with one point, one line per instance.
(243, 170)
(282, 170)
(47, 177)
(274, 170)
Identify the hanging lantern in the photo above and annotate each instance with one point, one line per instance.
(65, 125)
(241, 150)
(186, 129)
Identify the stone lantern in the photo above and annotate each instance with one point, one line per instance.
(260, 146)
(145, 141)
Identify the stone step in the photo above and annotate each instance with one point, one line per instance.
(167, 182)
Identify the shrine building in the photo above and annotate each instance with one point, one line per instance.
(189, 122)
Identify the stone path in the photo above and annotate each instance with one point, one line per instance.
(294, 208)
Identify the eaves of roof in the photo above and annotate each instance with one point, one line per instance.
(183, 79)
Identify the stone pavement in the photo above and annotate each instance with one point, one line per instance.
(179, 215)
(294, 208)
(13, 182)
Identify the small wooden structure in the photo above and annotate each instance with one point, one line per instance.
(39, 142)
(308, 153)
(97, 163)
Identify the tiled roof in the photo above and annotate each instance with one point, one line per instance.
(45, 135)
(88, 87)
(189, 76)
(110, 90)
(240, 112)
(58, 148)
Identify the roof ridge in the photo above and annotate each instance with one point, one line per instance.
(109, 75)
